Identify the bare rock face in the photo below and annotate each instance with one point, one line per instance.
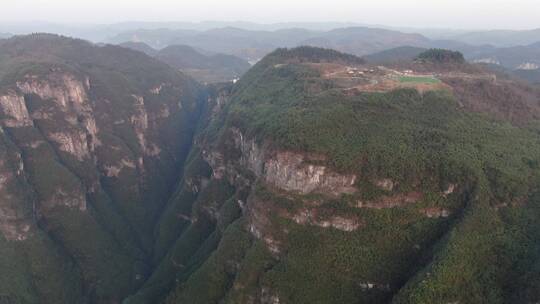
(63, 88)
(283, 171)
(68, 198)
(435, 213)
(394, 201)
(74, 143)
(288, 171)
(140, 122)
(385, 184)
(14, 111)
(114, 171)
(339, 222)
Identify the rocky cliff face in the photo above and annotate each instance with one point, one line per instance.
(122, 181)
(313, 196)
(89, 160)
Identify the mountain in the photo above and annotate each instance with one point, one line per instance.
(363, 40)
(141, 47)
(249, 45)
(318, 177)
(404, 53)
(500, 38)
(252, 45)
(205, 68)
(525, 57)
(155, 38)
(531, 76)
(337, 189)
(104, 32)
(92, 140)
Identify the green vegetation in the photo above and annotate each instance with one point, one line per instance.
(311, 54)
(92, 233)
(204, 68)
(422, 142)
(413, 79)
(441, 56)
(171, 230)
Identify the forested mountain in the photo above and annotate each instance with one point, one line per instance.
(252, 45)
(526, 57)
(205, 67)
(141, 47)
(342, 192)
(319, 177)
(500, 38)
(403, 53)
(381, 45)
(93, 140)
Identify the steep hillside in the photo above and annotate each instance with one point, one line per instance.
(501, 38)
(395, 55)
(204, 68)
(253, 45)
(363, 40)
(141, 47)
(303, 190)
(318, 178)
(514, 58)
(92, 140)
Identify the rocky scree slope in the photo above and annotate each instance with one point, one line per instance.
(92, 142)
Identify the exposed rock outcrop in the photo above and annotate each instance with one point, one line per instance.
(74, 143)
(436, 212)
(285, 170)
(14, 111)
(75, 198)
(114, 171)
(64, 88)
(385, 202)
(339, 222)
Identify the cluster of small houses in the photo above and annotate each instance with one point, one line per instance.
(356, 71)
(352, 71)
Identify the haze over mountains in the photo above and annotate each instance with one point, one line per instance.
(202, 65)
(514, 50)
(287, 163)
(125, 181)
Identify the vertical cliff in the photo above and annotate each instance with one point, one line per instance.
(91, 152)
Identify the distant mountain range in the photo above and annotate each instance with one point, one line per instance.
(403, 53)
(500, 38)
(518, 57)
(361, 41)
(104, 32)
(200, 64)
(252, 45)
(518, 51)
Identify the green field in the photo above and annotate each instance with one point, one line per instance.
(414, 79)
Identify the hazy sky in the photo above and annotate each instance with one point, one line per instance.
(511, 14)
